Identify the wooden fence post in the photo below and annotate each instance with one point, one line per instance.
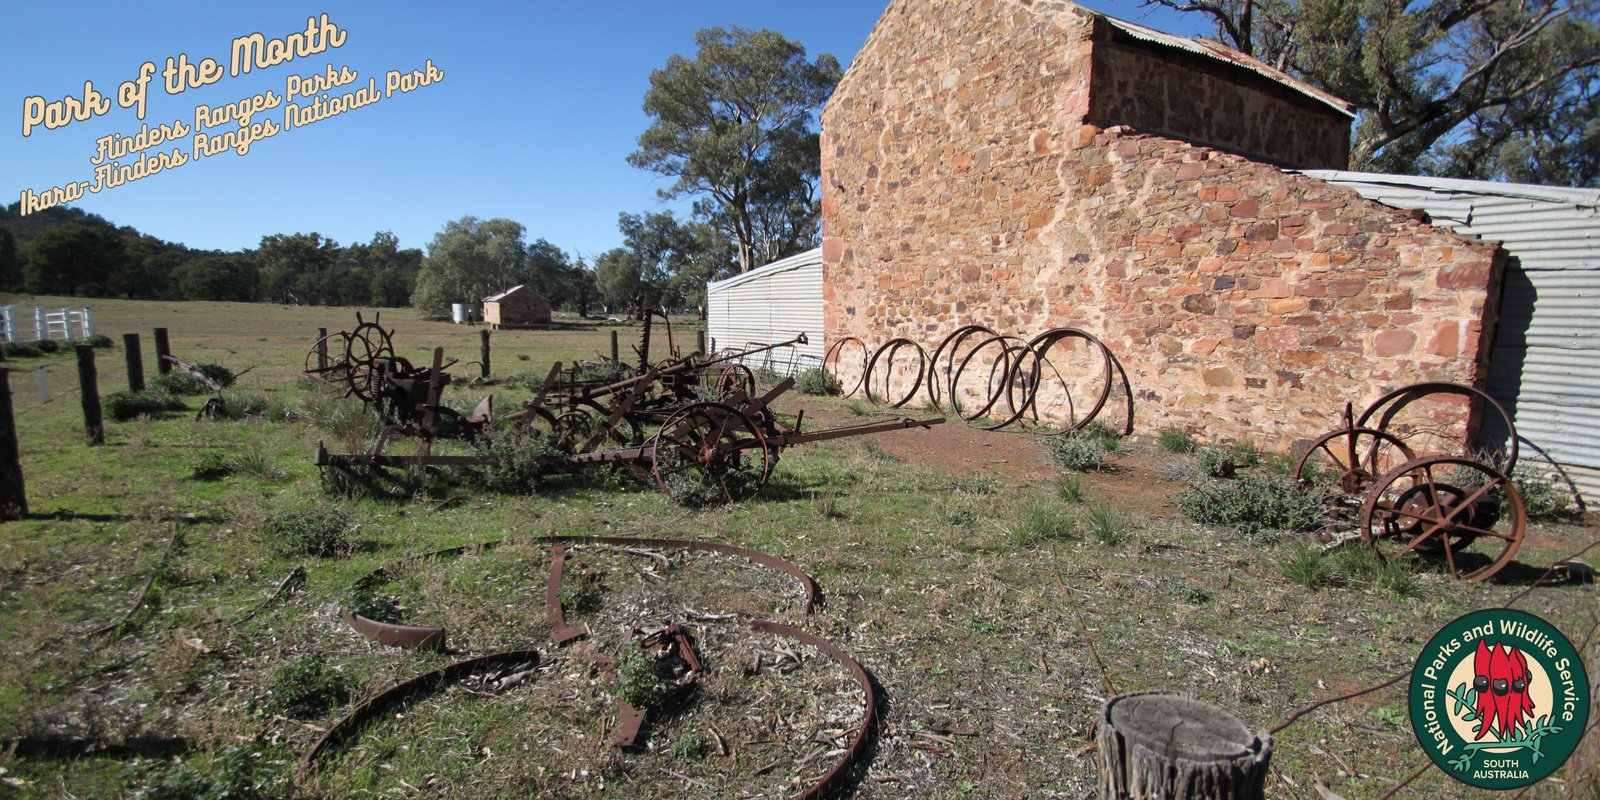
(162, 350)
(322, 348)
(89, 388)
(130, 344)
(13, 496)
(1164, 746)
(484, 336)
(700, 341)
(613, 346)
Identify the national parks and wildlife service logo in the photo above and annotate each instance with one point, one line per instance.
(1499, 699)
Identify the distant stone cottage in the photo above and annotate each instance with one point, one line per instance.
(516, 307)
(1027, 165)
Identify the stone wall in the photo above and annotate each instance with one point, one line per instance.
(963, 185)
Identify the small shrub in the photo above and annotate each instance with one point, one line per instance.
(312, 531)
(305, 689)
(962, 517)
(1106, 524)
(690, 747)
(211, 465)
(1254, 504)
(817, 381)
(1358, 564)
(1070, 489)
(582, 588)
(1216, 461)
(858, 408)
(21, 350)
(99, 342)
(258, 464)
(1175, 439)
(1543, 499)
(1107, 436)
(1042, 521)
(48, 346)
(123, 406)
(1079, 451)
(178, 382)
(220, 375)
(1245, 453)
(522, 356)
(518, 471)
(640, 684)
(1191, 593)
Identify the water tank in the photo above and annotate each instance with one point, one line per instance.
(458, 313)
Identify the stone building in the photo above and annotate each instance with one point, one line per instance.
(516, 307)
(1026, 165)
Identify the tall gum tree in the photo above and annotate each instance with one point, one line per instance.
(735, 127)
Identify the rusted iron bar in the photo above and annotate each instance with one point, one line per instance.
(791, 439)
(414, 637)
(560, 632)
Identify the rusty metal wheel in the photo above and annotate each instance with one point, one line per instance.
(1358, 456)
(1001, 354)
(1463, 512)
(735, 378)
(362, 347)
(939, 383)
(832, 360)
(1425, 433)
(1071, 389)
(887, 355)
(709, 453)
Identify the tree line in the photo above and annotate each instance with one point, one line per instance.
(66, 251)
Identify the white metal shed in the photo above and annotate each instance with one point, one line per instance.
(1545, 362)
(770, 304)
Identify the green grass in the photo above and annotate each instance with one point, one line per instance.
(918, 566)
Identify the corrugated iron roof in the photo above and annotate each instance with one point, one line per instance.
(1221, 52)
(507, 293)
(806, 259)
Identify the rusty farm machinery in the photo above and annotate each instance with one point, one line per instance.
(695, 425)
(1405, 472)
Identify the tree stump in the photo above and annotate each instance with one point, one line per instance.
(1164, 746)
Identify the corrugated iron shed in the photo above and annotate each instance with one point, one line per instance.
(770, 304)
(1545, 364)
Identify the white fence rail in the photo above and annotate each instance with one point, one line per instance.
(32, 323)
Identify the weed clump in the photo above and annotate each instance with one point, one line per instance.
(1351, 565)
(1040, 522)
(305, 689)
(1070, 489)
(312, 531)
(21, 350)
(640, 684)
(1082, 450)
(1254, 504)
(220, 375)
(99, 342)
(1106, 524)
(1175, 439)
(124, 406)
(817, 381)
(211, 465)
(690, 747)
(238, 778)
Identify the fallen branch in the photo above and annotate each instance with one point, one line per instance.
(144, 592)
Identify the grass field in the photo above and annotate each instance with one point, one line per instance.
(153, 640)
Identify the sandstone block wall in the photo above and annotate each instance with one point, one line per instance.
(963, 185)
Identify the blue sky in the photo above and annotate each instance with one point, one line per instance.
(538, 109)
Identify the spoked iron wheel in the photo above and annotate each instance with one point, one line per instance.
(1408, 412)
(365, 345)
(1357, 456)
(1464, 512)
(708, 454)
